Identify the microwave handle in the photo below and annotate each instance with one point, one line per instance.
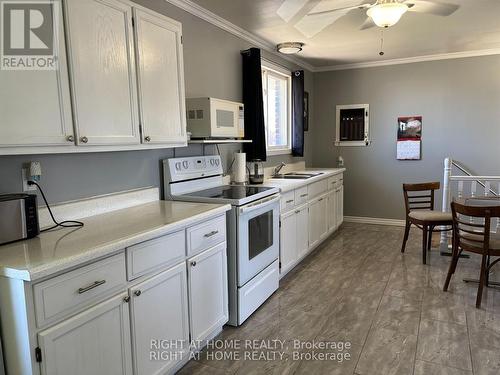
(259, 204)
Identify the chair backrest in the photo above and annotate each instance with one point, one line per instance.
(420, 196)
(473, 234)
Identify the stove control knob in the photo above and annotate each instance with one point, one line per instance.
(212, 162)
(217, 162)
(178, 166)
(185, 164)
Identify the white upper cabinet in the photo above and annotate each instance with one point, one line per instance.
(160, 77)
(35, 107)
(102, 68)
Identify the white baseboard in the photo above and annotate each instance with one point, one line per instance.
(374, 220)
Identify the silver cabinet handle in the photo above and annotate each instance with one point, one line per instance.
(147, 138)
(290, 201)
(212, 233)
(126, 299)
(70, 138)
(319, 200)
(90, 287)
(303, 195)
(84, 139)
(193, 263)
(137, 293)
(297, 211)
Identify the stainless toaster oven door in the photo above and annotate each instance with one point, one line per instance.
(12, 220)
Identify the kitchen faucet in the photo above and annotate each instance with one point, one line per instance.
(278, 169)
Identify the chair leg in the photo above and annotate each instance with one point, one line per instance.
(424, 245)
(453, 266)
(482, 281)
(429, 243)
(405, 238)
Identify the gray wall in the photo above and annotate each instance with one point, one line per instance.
(212, 68)
(460, 104)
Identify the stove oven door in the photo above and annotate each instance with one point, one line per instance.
(258, 237)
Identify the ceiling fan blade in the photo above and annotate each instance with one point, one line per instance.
(368, 24)
(310, 26)
(431, 7)
(343, 10)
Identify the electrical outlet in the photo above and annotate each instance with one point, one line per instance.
(25, 176)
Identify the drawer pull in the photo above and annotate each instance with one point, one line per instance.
(290, 201)
(297, 211)
(193, 263)
(92, 286)
(319, 200)
(303, 195)
(137, 293)
(212, 233)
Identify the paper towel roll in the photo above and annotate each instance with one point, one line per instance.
(240, 168)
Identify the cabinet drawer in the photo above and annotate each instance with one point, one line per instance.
(301, 195)
(287, 201)
(317, 188)
(155, 254)
(74, 290)
(332, 182)
(205, 235)
(340, 181)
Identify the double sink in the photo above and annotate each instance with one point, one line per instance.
(297, 175)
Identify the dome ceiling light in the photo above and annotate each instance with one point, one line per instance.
(289, 48)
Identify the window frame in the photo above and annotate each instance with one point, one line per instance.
(278, 72)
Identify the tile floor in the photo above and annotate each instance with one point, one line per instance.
(359, 288)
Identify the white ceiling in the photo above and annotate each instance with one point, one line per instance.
(475, 26)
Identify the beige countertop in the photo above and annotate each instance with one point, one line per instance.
(290, 184)
(59, 250)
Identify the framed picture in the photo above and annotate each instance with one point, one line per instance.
(409, 143)
(306, 111)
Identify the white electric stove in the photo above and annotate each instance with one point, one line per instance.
(252, 223)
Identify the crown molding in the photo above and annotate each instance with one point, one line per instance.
(214, 19)
(410, 60)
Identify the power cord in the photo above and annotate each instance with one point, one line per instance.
(64, 224)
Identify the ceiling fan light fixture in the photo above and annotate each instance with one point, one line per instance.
(289, 48)
(387, 14)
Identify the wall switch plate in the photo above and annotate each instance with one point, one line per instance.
(27, 187)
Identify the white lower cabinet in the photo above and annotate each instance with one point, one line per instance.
(332, 214)
(97, 342)
(294, 238)
(159, 317)
(318, 228)
(208, 304)
(314, 213)
(288, 242)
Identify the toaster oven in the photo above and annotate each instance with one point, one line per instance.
(18, 217)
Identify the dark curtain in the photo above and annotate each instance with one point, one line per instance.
(298, 113)
(254, 105)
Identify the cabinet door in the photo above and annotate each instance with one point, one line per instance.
(317, 221)
(340, 205)
(288, 243)
(35, 105)
(159, 314)
(161, 78)
(302, 231)
(207, 274)
(332, 211)
(102, 67)
(96, 342)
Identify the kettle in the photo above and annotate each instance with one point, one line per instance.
(256, 171)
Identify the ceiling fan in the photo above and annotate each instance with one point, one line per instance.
(386, 13)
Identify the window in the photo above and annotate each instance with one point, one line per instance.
(352, 125)
(276, 85)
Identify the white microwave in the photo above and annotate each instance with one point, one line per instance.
(215, 118)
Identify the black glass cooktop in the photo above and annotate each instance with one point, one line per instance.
(229, 192)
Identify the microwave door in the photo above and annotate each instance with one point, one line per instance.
(225, 119)
(258, 238)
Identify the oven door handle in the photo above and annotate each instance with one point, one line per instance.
(259, 204)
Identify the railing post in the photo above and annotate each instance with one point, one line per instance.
(448, 162)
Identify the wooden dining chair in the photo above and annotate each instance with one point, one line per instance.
(419, 204)
(474, 236)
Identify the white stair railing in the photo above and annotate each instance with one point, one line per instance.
(465, 185)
